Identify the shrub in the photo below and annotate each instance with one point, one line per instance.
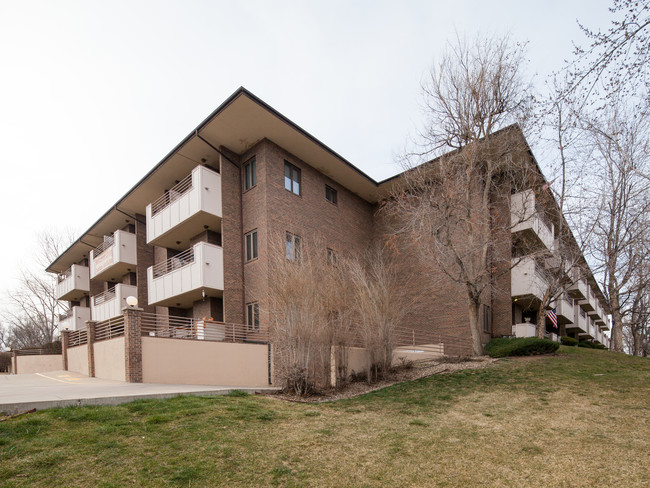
(525, 346)
(587, 344)
(569, 341)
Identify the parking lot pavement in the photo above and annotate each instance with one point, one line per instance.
(22, 392)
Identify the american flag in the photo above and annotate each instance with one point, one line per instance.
(552, 316)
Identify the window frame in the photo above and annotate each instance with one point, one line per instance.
(293, 171)
(253, 247)
(292, 253)
(487, 319)
(253, 315)
(334, 193)
(250, 174)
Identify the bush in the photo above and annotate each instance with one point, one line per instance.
(525, 346)
(587, 344)
(569, 341)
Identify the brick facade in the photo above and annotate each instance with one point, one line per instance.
(348, 227)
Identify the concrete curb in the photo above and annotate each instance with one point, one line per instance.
(14, 408)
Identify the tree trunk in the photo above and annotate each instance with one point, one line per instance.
(617, 321)
(477, 345)
(541, 322)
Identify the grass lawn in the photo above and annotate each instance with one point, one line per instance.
(581, 418)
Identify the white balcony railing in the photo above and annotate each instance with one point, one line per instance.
(187, 277)
(110, 303)
(186, 209)
(75, 319)
(526, 280)
(114, 257)
(527, 219)
(73, 284)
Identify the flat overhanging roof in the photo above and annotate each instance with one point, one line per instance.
(238, 124)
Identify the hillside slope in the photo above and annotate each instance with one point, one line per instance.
(581, 418)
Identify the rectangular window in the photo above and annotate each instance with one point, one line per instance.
(251, 245)
(331, 195)
(292, 247)
(291, 178)
(250, 174)
(487, 319)
(331, 256)
(253, 316)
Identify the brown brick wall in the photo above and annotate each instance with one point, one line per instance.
(346, 227)
(133, 345)
(231, 236)
(145, 258)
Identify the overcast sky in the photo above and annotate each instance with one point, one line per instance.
(93, 94)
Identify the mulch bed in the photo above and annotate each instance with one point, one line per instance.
(398, 375)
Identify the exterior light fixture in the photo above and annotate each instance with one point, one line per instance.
(131, 301)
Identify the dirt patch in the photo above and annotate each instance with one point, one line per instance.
(400, 374)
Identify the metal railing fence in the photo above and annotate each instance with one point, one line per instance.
(171, 195)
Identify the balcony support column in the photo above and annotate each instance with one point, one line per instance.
(65, 341)
(133, 344)
(90, 335)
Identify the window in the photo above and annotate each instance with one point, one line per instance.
(331, 195)
(487, 319)
(291, 178)
(292, 247)
(250, 174)
(253, 316)
(331, 256)
(251, 245)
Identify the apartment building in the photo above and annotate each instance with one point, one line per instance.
(192, 238)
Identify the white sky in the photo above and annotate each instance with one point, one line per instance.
(93, 94)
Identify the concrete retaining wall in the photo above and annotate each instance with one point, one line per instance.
(109, 359)
(177, 361)
(78, 359)
(39, 363)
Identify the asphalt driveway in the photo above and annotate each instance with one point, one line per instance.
(22, 392)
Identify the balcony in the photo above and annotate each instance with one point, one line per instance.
(114, 257)
(565, 311)
(597, 312)
(590, 331)
(526, 284)
(110, 303)
(528, 221)
(74, 319)
(604, 323)
(73, 284)
(185, 210)
(187, 277)
(578, 289)
(579, 321)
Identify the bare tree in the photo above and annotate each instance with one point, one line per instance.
(615, 63)
(621, 196)
(558, 120)
(31, 313)
(308, 312)
(380, 304)
(451, 208)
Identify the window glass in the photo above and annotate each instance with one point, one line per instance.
(250, 174)
(291, 178)
(292, 247)
(287, 176)
(251, 245)
(331, 195)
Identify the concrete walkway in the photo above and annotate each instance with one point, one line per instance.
(22, 392)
